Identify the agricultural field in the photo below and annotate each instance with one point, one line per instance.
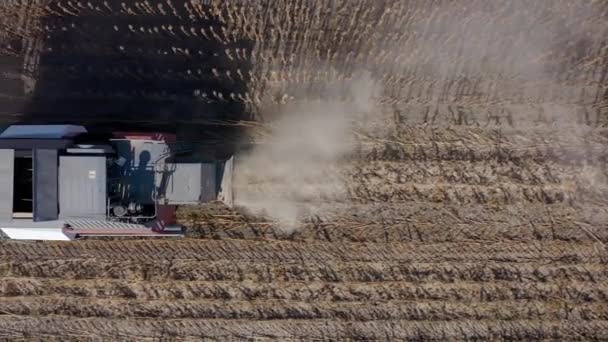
(414, 169)
(246, 289)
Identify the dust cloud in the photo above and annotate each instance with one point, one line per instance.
(515, 58)
(296, 167)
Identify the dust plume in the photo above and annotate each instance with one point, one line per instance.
(517, 67)
(296, 167)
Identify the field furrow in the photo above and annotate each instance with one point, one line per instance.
(243, 250)
(329, 271)
(412, 222)
(361, 311)
(306, 291)
(15, 327)
(396, 151)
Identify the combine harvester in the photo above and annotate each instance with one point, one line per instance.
(59, 182)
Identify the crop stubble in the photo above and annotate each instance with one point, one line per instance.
(475, 202)
(246, 288)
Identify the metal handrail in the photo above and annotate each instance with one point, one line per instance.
(154, 196)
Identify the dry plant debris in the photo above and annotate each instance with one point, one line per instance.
(474, 202)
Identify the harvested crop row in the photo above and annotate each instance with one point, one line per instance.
(320, 271)
(244, 250)
(307, 291)
(464, 194)
(396, 151)
(332, 271)
(272, 310)
(14, 327)
(473, 135)
(409, 222)
(382, 191)
(396, 141)
(473, 173)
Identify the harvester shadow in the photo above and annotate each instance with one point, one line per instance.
(114, 71)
